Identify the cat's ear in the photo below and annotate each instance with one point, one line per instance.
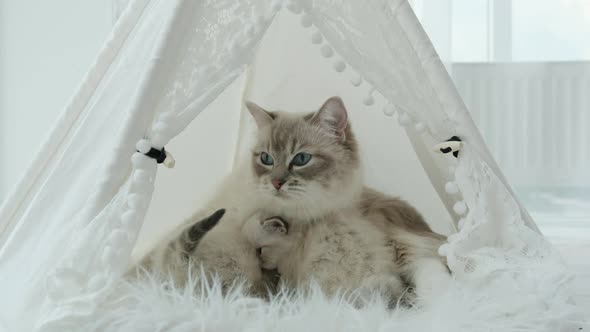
(262, 117)
(333, 116)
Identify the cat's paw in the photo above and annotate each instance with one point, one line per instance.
(431, 279)
(275, 225)
(268, 258)
(390, 288)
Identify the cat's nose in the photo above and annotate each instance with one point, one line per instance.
(277, 183)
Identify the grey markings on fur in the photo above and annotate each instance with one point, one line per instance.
(175, 254)
(195, 233)
(289, 134)
(319, 187)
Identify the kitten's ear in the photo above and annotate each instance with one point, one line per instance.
(262, 117)
(333, 116)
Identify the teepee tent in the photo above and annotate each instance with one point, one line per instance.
(91, 202)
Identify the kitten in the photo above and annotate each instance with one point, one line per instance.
(176, 254)
(339, 253)
(219, 248)
(341, 233)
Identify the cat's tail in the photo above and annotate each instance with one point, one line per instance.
(419, 245)
(184, 244)
(193, 235)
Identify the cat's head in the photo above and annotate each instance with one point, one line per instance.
(306, 164)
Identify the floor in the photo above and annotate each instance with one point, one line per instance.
(574, 245)
(563, 215)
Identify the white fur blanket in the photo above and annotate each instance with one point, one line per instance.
(530, 299)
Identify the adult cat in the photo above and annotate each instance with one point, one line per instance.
(306, 168)
(341, 233)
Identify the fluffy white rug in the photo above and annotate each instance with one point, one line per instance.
(531, 299)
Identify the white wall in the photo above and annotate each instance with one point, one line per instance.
(46, 47)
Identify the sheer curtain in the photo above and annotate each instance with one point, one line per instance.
(117, 8)
(523, 69)
(46, 48)
(436, 18)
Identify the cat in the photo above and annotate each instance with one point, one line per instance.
(342, 234)
(222, 251)
(226, 255)
(175, 254)
(305, 168)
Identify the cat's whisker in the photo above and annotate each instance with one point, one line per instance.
(295, 190)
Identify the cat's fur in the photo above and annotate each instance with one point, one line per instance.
(342, 234)
(223, 250)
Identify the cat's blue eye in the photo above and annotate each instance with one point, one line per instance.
(266, 159)
(301, 159)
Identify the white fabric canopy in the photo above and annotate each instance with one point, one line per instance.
(69, 229)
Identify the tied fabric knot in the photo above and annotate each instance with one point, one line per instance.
(453, 144)
(161, 156)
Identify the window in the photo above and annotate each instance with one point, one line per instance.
(470, 29)
(551, 30)
(508, 30)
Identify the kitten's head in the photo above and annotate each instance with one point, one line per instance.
(306, 165)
